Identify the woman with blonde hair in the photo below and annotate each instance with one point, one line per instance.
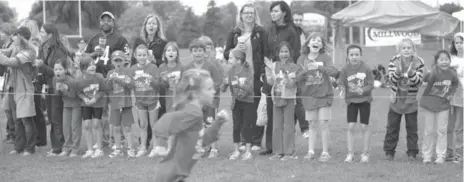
(152, 35)
(250, 37)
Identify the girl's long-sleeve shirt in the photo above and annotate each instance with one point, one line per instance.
(146, 84)
(283, 81)
(185, 125)
(441, 85)
(314, 83)
(119, 90)
(92, 86)
(404, 89)
(69, 95)
(357, 77)
(240, 81)
(172, 76)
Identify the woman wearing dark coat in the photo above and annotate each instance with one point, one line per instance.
(282, 29)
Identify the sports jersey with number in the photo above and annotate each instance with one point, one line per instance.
(114, 41)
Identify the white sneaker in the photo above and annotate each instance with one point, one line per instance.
(88, 154)
(306, 134)
(98, 153)
(235, 155)
(324, 157)
(153, 152)
(116, 153)
(255, 148)
(364, 158)
(309, 155)
(440, 160)
(73, 154)
(63, 154)
(349, 158)
(141, 152)
(242, 148)
(131, 153)
(214, 153)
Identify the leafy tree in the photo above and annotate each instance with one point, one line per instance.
(262, 7)
(213, 26)
(131, 21)
(450, 8)
(6, 13)
(228, 14)
(189, 29)
(66, 12)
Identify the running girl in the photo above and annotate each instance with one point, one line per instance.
(194, 91)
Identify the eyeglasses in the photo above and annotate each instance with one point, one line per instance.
(248, 13)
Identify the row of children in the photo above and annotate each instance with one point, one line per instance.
(311, 76)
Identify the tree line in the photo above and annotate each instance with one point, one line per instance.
(179, 21)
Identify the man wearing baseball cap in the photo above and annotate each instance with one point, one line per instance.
(100, 47)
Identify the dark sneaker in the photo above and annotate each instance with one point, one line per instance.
(10, 141)
(389, 157)
(266, 152)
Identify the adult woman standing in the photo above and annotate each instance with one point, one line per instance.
(6, 30)
(454, 149)
(250, 36)
(152, 35)
(19, 101)
(38, 81)
(51, 50)
(282, 29)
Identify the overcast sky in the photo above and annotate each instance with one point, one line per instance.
(199, 6)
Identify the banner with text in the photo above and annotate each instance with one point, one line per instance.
(376, 37)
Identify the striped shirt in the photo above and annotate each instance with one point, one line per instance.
(406, 78)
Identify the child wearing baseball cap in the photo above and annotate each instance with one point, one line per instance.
(119, 85)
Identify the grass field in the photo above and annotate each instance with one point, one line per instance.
(41, 168)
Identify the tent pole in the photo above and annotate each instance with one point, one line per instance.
(334, 35)
(351, 28)
(44, 16)
(443, 43)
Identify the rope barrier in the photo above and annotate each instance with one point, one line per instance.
(171, 96)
